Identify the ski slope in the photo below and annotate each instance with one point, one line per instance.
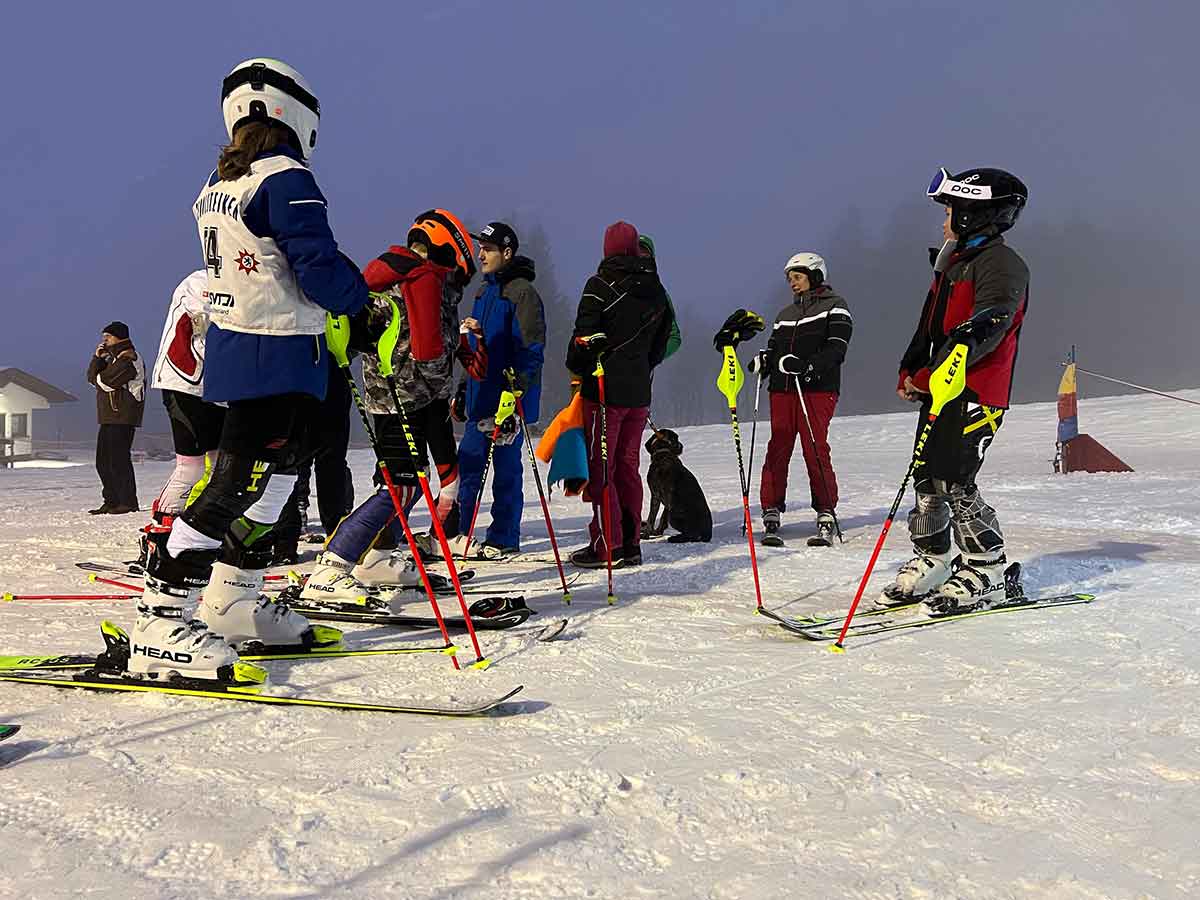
(673, 745)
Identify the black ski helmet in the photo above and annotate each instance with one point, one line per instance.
(979, 199)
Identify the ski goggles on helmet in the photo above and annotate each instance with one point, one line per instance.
(258, 75)
(943, 188)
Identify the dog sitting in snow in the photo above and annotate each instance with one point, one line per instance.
(677, 491)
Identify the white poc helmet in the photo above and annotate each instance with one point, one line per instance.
(267, 90)
(809, 261)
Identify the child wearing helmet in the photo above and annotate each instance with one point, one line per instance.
(978, 297)
(803, 365)
(274, 272)
(423, 281)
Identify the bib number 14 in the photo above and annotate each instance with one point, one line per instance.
(212, 255)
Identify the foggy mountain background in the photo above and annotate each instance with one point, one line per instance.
(735, 137)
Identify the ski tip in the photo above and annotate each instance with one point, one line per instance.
(481, 663)
(837, 648)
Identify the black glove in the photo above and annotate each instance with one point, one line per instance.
(508, 429)
(978, 328)
(760, 364)
(458, 406)
(741, 325)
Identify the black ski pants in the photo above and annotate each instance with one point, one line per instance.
(115, 466)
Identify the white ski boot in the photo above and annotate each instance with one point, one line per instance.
(978, 582)
(385, 569)
(917, 578)
(333, 584)
(235, 607)
(167, 643)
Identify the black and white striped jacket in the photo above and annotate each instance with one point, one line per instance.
(815, 327)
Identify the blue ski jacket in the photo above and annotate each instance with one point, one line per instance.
(513, 320)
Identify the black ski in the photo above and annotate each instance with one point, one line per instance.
(501, 613)
(830, 631)
(91, 681)
(817, 541)
(772, 540)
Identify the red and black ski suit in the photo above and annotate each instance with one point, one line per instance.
(814, 328)
(980, 299)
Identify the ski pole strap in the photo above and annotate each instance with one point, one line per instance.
(386, 345)
(337, 338)
(949, 379)
(730, 378)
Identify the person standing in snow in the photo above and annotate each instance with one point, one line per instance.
(195, 424)
(979, 294)
(624, 318)
(425, 280)
(119, 375)
(274, 272)
(675, 340)
(805, 352)
(505, 332)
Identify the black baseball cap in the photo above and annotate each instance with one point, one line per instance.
(499, 234)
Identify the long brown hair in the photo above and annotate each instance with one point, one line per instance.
(248, 142)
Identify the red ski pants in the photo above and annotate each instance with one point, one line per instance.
(625, 427)
(787, 421)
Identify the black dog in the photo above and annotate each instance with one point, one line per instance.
(678, 492)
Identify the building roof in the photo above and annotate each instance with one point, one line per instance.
(31, 383)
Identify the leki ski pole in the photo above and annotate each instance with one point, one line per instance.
(337, 337)
(729, 383)
(506, 408)
(812, 442)
(945, 384)
(754, 430)
(537, 477)
(386, 347)
(605, 516)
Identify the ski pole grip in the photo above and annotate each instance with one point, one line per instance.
(731, 377)
(337, 338)
(949, 379)
(506, 407)
(386, 345)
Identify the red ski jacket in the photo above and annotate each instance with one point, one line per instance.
(990, 275)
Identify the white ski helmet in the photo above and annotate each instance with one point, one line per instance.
(810, 262)
(267, 90)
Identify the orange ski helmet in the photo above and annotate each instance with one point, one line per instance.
(448, 241)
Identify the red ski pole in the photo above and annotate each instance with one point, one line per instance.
(386, 347)
(604, 510)
(337, 337)
(945, 384)
(729, 383)
(537, 477)
(100, 579)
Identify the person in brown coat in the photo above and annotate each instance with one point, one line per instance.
(119, 375)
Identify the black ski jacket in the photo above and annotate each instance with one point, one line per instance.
(815, 327)
(626, 301)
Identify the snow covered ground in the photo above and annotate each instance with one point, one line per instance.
(673, 745)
